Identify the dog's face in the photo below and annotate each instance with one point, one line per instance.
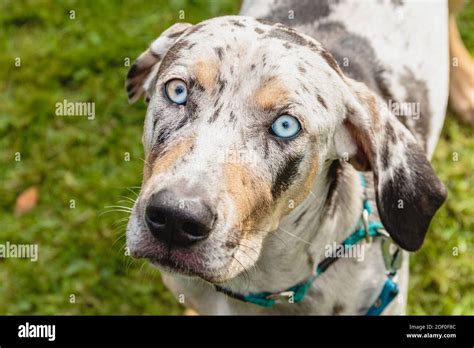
(242, 116)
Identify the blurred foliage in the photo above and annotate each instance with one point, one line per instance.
(81, 250)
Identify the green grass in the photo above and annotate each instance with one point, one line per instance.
(81, 251)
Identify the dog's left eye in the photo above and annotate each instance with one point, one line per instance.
(176, 91)
(286, 127)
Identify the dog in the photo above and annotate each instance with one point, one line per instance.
(278, 138)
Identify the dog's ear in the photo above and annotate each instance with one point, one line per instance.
(408, 193)
(147, 64)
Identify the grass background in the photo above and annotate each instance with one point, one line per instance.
(67, 158)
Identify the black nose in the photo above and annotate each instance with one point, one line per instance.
(178, 219)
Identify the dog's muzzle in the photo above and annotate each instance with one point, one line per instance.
(178, 219)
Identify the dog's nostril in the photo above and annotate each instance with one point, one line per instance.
(194, 229)
(159, 218)
(156, 216)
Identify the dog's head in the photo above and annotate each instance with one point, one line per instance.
(242, 116)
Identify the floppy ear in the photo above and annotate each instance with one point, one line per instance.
(408, 193)
(147, 64)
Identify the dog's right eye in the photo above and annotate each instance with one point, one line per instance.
(285, 127)
(176, 91)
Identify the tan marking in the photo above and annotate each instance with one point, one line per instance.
(461, 76)
(190, 312)
(251, 195)
(206, 73)
(309, 180)
(271, 94)
(158, 163)
(365, 155)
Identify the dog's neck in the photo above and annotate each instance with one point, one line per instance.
(290, 254)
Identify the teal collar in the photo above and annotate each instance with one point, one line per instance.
(296, 293)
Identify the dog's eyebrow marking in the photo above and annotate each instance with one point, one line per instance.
(205, 73)
(271, 94)
(285, 175)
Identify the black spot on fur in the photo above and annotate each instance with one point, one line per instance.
(382, 85)
(219, 51)
(397, 3)
(364, 66)
(322, 101)
(132, 71)
(330, 60)
(181, 124)
(266, 149)
(221, 85)
(385, 154)
(346, 47)
(285, 176)
(214, 116)
(265, 21)
(338, 308)
(194, 29)
(409, 199)
(391, 135)
(417, 91)
(291, 36)
(298, 219)
(163, 135)
(232, 116)
(174, 35)
(333, 175)
(259, 31)
(237, 23)
(305, 11)
(173, 54)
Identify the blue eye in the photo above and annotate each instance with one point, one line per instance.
(286, 127)
(176, 91)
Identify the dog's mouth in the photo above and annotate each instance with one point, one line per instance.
(211, 260)
(177, 262)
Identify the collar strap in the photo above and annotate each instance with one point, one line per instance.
(297, 292)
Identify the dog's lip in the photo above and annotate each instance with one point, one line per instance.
(170, 265)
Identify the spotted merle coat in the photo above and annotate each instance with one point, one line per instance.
(339, 67)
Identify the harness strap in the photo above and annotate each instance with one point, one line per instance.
(389, 292)
(297, 292)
